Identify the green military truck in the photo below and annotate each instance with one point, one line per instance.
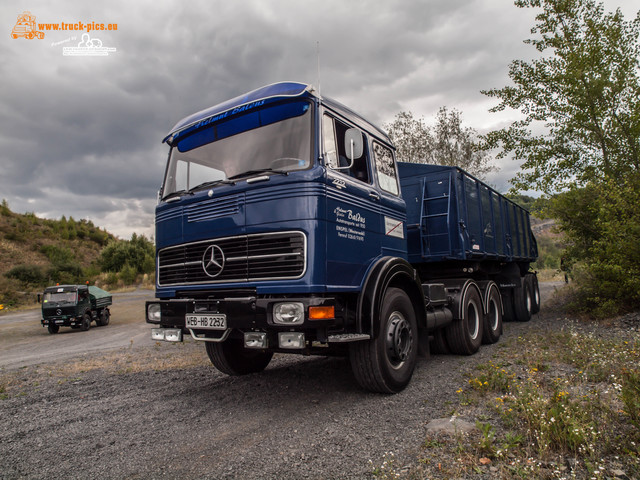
(75, 306)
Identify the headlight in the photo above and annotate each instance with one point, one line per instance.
(154, 312)
(288, 313)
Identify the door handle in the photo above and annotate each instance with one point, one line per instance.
(374, 196)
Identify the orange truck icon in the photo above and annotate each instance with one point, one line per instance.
(26, 27)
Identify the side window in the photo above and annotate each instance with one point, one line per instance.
(335, 154)
(385, 168)
(329, 139)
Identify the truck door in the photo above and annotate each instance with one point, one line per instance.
(353, 208)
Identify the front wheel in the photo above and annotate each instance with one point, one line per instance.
(53, 328)
(232, 358)
(86, 322)
(385, 363)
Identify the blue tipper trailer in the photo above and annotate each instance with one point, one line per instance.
(284, 224)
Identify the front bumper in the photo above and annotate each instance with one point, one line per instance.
(243, 314)
(62, 321)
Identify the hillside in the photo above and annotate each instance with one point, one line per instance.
(36, 251)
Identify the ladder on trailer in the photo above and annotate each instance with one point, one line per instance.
(434, 216)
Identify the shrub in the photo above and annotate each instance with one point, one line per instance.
(27, 274)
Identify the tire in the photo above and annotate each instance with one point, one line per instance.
(53, 329)
(439, 342)
(492, 324)
(535, 292)
(385, 363)
(86, 322)
(103, 321)
(523, 302)
(464, 335)
(232, 358)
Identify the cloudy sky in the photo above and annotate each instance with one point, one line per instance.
(80, 135)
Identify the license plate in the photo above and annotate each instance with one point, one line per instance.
(206, 321)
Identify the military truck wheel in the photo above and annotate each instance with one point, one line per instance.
(464, 335)
(523, 302)
(86, 322)
(232, 358)
(385, 364)
(103, 321)
(535, 292)
(53, 328)
(492, 325)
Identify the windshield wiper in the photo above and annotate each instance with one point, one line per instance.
(257, 172)
(177, 193)
(211, 183)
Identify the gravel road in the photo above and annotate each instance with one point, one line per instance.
(303, 417)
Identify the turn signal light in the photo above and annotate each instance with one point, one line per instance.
(322, 313)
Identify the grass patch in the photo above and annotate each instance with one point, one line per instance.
(561, 405)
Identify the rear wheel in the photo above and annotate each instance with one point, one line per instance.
(523, 301)
(439, 342)
(232, 358)
(535, 292)
(104, 318)
(464, 335)
(385, 364)
(492, 326)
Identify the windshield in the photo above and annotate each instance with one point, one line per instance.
(60, 297)
(273, 139)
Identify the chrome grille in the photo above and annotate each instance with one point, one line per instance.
(268, 256)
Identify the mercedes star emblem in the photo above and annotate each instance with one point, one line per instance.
(213, 261)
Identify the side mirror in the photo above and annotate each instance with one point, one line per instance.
(353, 144)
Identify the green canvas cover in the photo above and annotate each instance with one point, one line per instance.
(99, 298)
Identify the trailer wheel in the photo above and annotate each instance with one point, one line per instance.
(53, 328)
(464, 335)
(493, 318)
(535, 292)
(86, 322)
(523, 302)
(232, 358)
(385, 364)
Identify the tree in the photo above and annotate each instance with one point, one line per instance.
(446, 143)
(580, 100)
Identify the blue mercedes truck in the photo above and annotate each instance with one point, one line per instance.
(284, 224)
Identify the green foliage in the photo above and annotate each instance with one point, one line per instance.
(57, 254)
(446, 143)
(28, 274)
(4, 208)
(582, 93)
(601, 223)
(137, 253)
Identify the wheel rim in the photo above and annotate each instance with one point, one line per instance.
(399, 340)
(473, 320)
(493, 315)
(527, 300)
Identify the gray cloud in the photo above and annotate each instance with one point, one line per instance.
(81, 136)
